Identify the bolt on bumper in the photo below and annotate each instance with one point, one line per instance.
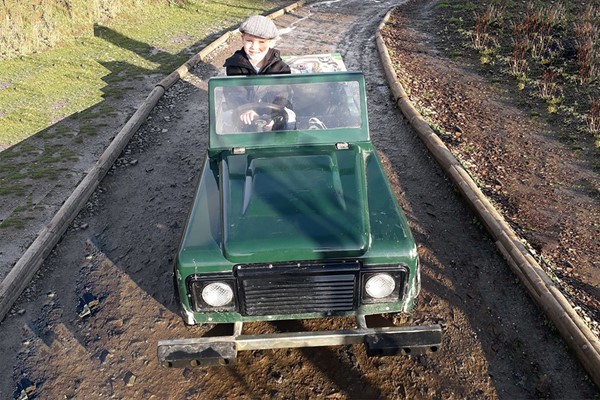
(222, 350)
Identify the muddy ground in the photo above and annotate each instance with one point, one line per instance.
(546, 186)
(120, 250)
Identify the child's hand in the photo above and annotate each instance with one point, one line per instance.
(248, 117)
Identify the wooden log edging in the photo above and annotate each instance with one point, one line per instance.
(582, 341)
(30, 262)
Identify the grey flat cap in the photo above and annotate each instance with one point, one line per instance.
(259, 26)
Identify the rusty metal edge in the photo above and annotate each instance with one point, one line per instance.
(547, 296)
(29, 263)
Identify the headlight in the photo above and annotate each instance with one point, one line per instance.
(209, 293)
(383, 283)
(217, 294)
(380, 285)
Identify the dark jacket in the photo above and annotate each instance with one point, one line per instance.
(239, 64)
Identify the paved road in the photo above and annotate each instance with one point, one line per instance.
(496, 343)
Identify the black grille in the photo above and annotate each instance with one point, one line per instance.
(294, 289)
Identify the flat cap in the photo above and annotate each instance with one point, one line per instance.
(259, 26)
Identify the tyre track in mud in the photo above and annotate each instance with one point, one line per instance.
(496, 343)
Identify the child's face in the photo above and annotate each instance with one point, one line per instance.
(256, 48)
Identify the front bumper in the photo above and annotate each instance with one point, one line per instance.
(222, 350)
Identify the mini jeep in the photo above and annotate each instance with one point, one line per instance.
(293, 218)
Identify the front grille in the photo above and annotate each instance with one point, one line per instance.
(298, 288)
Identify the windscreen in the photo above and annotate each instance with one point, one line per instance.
(288, 107)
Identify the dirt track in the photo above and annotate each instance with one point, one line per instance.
(496, 343)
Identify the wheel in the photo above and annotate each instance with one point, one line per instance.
(268, 112)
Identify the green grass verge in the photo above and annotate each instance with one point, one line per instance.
(37, 90)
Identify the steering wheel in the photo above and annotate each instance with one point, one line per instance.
(266, 111)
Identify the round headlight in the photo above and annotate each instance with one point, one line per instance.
(217, 294)
(380, 286)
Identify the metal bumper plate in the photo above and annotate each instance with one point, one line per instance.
(222, 350)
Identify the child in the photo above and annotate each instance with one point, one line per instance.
(256, 57)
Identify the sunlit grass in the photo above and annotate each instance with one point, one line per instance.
(551, 51)
(42, 88)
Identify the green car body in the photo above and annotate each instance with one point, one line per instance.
(294, 221)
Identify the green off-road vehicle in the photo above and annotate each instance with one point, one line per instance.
(293, 218)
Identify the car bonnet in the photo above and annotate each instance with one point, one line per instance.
(303, 205)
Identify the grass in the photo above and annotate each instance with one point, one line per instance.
(16, 220)
(40, 88)
(550, 50)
